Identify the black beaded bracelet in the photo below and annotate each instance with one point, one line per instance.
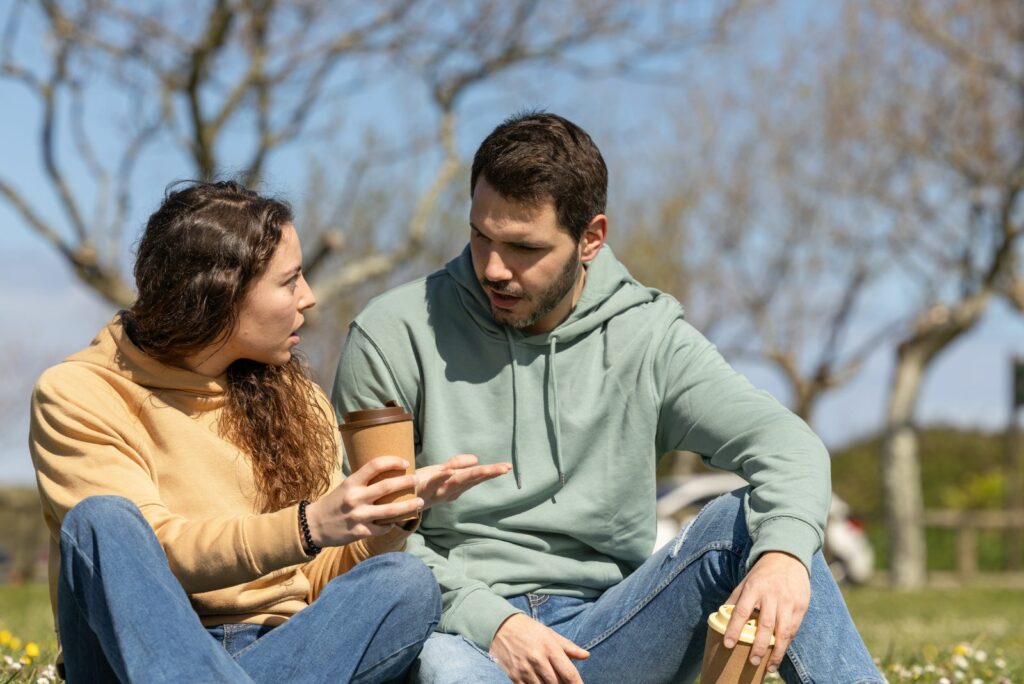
(307, 536)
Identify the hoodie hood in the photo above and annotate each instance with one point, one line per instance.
(608, 291)
(114, 351)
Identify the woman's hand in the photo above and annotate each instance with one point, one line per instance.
(347, 512)
(447, 482)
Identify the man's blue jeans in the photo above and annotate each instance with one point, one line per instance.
(651, 626)
(124, 617)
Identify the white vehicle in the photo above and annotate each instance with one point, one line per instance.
(847, 549)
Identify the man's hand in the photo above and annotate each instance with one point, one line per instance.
(529, 652)
(448, 481)
(779, 588)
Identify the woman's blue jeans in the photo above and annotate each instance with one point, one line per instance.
(651, 626)
(124, 617)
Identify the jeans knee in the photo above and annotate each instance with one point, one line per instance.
(726, 515)
(411, 581)
(98, 511)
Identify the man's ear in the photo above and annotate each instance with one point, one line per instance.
(593, 238)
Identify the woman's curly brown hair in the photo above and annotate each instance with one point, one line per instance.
(201, 251)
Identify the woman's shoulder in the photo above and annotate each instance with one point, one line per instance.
(84, 384)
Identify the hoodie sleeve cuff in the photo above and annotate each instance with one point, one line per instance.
(789, 535)
(477, 617)
(272, 540)
(392, 540)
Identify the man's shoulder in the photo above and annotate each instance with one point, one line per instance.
(409, 301)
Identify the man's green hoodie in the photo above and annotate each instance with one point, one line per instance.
(583, 413)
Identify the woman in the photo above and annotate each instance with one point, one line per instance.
(189, 474)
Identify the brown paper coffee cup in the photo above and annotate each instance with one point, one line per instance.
(375, 432)
(731, 665)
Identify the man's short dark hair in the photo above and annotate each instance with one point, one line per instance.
(535, 157)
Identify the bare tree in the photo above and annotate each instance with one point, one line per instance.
(940, 118)
(236, 83)
(754, 229)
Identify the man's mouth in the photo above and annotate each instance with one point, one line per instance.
(503, 301)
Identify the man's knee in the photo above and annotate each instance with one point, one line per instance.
(451, 659)
(725, 514)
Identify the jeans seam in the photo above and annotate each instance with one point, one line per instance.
(84, 559)
(247, 648)
(400, 650)
(712, 546)
(478, 649)
(798, 667)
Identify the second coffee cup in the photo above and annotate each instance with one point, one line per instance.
(382, 431)
(731, 665)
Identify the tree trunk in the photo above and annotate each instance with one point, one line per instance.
(901, 474)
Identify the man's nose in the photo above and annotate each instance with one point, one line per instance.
(495, 268)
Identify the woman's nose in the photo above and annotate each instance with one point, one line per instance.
(307, 299)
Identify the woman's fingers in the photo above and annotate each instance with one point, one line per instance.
(458, 482)
(375, 467)
(393, 509)
(474, 476)
(461, 461)
(391, 485)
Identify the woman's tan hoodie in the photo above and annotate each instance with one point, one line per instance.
(113, 420)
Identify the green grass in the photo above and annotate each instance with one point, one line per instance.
(903, 629)
(918, 627)
(25, 614)
(25, 611)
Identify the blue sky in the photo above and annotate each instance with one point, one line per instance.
(46, 314)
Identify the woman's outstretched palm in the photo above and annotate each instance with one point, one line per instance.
(446, 482)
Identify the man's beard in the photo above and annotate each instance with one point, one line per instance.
(546, 300)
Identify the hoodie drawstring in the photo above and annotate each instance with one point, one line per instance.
(553, 380)
(554, 405)
(515, 413)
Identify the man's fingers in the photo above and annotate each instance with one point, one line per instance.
(783, 630)
(565, 670)
(572, 649)
(375, 467)
(740, 614)
(543, 671)
(765, 628)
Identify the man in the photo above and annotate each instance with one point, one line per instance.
(536, 343)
